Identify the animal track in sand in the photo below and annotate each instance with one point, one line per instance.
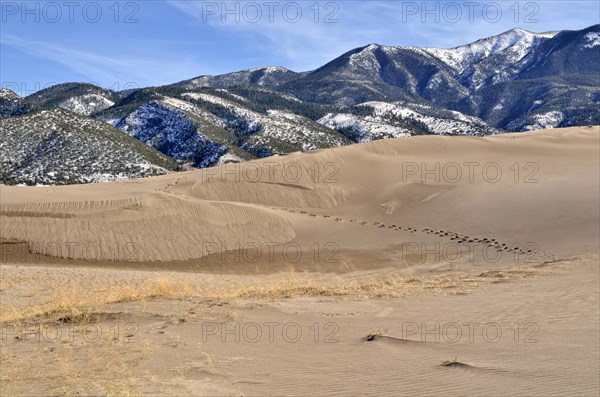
(172, 184)
(452, 236)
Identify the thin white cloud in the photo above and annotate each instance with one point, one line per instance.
(306, 44)
(301, 45)
(109, 71)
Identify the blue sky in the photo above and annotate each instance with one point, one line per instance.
(125, 44)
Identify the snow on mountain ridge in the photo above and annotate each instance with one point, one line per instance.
(284, 126)
(397, 120)
(4, 93)
(459, 58)
(454, 123)
(86, 104)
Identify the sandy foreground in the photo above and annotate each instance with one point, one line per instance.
(419, 266)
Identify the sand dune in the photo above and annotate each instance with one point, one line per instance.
(536, 191)
(377, 258)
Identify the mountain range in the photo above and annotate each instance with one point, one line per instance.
(515, 81)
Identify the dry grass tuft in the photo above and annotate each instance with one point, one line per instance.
(74, 302)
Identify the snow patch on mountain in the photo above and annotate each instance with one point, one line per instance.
(545, 120)
(4, 93)
(269, 69)
(263, 76)
(448, 123)
(365, 59)
(86, 104)
(395, 120)
(228, 158)
(191, 108)
(520, 42)
(363, 129)
(238, 97)
(250, 118)
(592, 39)
(291, 98)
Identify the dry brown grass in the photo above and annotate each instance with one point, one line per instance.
(78, 302)
(108, 367)
(101, 368)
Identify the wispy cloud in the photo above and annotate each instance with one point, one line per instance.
(106, 70)
(303, 42)
(310, 41)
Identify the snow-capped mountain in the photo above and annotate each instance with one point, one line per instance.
(208, 127)
(500, 79)
(516, 43)
(60, 147)
(378, 73)
(517, 81)
(491, 60)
